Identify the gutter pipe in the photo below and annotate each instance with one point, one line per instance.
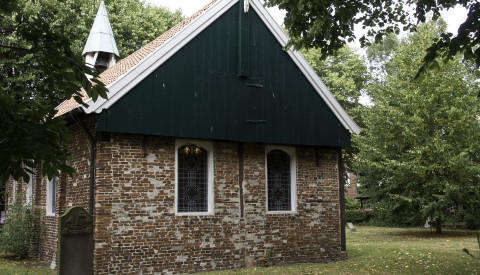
(75, 115)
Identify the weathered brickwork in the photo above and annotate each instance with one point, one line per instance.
(352, 191)
(70, 191)
(137, 231)
(77, 187)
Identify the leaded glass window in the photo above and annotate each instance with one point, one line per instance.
(192, 179)
(279, 181)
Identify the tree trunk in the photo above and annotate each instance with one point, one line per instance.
(438, 226)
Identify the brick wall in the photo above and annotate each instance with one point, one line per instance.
(71, 191)
(48, 241)
(77, 187)
(137, 231)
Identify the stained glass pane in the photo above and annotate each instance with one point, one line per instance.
(192, 179)
(279, 185)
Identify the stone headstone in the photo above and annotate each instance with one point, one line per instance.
(427, 224)
(351, 228)
(75, 242)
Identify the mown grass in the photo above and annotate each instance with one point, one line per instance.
(376, 250)
(10, 266)
(371, 250)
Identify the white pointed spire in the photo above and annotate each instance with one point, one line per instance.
(101, 46)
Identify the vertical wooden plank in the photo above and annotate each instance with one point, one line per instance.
(243, 41)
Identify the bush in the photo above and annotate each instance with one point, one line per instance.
(358, 216)
(471, 221)
(351, 204)
(20, 233)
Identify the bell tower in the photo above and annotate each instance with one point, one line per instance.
(101, 51)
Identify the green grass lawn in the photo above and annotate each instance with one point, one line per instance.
(371, 250)
(10, 266)
(376, 250)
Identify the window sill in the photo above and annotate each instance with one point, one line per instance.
(282, 212)
(194, 214)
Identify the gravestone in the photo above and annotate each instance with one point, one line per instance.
(351, 228)
(75, 242)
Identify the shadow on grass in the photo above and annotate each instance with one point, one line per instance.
(28, 263)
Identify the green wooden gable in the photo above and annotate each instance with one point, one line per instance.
(233, 81)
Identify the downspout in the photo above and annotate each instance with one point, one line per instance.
(75, 114)
(341, 193)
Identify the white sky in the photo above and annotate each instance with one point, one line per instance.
(454, 17)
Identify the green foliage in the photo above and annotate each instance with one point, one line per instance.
(329, 25)
(21, 231)
(380, 54)
(346, 76)
(41, 65)
(2, 193)
(37, 68)
(471, 221)
(387, 215)
(419, 151)
(134, 23)
(358, 216)
(351, 204)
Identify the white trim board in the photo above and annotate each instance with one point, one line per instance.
(145, 67)
(207, 145)
(290, 150)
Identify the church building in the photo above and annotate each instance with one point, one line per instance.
(217, 148)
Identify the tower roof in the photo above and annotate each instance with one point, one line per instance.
(101, 37)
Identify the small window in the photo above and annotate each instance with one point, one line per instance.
(29, 191)
(281, 189)
(51, 196)
(347, 179)
(194, 178)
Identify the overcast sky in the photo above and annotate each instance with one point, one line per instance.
(190, 7)
(454, 17)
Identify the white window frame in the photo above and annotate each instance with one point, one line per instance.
(29, 189)
(207, 146)
(50, 193)
(293, 178)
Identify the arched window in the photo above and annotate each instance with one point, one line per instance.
(51, 196)
(280, 181)
(194, 179)
(29, 190)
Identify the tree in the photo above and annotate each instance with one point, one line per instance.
(329, 24)
(419, 152)
(379, 55)
(134, 23)
(40, 66)
(346, 76)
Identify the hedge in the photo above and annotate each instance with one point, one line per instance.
(358, 216)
